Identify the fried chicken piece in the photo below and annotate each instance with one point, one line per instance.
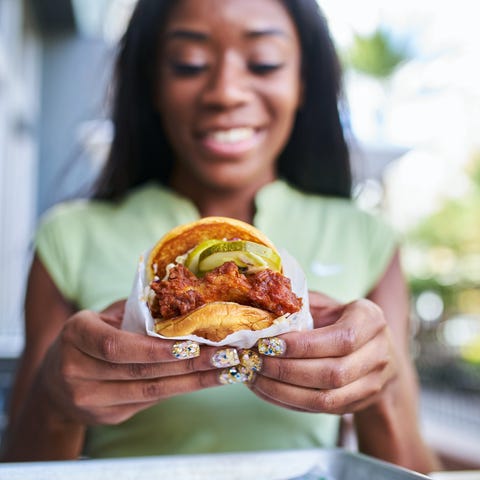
(183, 292)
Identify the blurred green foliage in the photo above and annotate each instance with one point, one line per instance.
(457, 224)
(376, 54)
(448, 243)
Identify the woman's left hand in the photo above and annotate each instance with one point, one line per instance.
(341, 366)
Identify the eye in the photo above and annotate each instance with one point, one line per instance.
(264, 68)
(187, 69)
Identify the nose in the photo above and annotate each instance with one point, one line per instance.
(227, 85)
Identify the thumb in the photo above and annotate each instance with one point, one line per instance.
(113, 314)
(325, 310)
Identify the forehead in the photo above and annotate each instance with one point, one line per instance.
(225, 16)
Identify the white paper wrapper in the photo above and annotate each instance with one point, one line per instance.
(138, 318)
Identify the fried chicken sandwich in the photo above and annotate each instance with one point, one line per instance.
(216, 276)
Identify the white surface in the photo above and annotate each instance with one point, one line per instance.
(461, 475)
(262, 465)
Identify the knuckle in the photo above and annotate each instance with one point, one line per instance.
(303, 346)
(68, 370)
(204, 380)
(280, 370)
(108, 347)
(152, 350)
(152, 390)
(138, 370)
(189, 364)
(346, 340)
(337, 377)
(68, 335)
(322, 400)
(377, 386)
(79, 398)
(373, 311)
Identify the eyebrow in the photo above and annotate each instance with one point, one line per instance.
(265, 32)
(186, 34)
(196, 35)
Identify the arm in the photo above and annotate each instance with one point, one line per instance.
(389, 428)
(355, 361)
(80, 369)
(31, 416)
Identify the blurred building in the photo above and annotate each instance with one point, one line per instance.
(52, 85)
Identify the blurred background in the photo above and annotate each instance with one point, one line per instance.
(412, 85)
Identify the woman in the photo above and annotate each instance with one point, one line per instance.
(221, 107)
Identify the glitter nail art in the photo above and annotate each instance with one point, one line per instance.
(186, 349)
(272, 347)
(237, 374)
(251, 360)
(227, 357)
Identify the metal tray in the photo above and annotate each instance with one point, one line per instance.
(340, 464)
(328, 464)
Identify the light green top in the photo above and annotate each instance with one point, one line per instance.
(91, 249)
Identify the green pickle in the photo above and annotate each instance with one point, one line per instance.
(246, 255)
(191, 262)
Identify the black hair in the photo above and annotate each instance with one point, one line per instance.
(315, 158)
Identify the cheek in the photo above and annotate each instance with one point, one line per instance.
(175, 109)
(286, 96)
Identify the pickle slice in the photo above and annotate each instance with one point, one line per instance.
(191, 262)
(246, 255)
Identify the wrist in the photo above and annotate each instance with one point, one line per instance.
(389, 429)
(42, 431)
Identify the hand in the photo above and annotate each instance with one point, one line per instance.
(96, 373)
(342, 366)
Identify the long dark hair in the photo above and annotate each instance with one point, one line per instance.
(315, 158)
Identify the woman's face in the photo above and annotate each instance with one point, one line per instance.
(228, 90)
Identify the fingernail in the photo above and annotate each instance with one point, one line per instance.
(236, 374)
(227, 357)
(251, 360)
(186, 349)
(272, 347)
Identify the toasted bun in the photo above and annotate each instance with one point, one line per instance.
(215, 320)
(184, 237)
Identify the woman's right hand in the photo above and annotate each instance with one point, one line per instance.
(95, 373)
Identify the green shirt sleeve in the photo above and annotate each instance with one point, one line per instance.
(58, 244)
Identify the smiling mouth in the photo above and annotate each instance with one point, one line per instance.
(232, 142)
(232, 135)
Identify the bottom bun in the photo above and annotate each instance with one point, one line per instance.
(215, 320)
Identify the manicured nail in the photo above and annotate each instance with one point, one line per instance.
(227, 357)
(186, 349)
(237, 374)
(272, 347)
(251, 360)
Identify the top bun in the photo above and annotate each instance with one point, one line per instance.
(183, 238)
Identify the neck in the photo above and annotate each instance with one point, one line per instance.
(234, 203)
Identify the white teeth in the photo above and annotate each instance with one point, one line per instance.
(233, 135)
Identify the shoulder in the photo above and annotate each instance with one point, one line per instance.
(315, 212)
(74, 215)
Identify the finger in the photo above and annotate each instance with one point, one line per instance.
(114, 415)
(337, 401)
(105, 394)
(83, 367)
(273, 401)
(98, 339)
(329, 372)
(359, 322)
(113, 314)
(325, 310)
